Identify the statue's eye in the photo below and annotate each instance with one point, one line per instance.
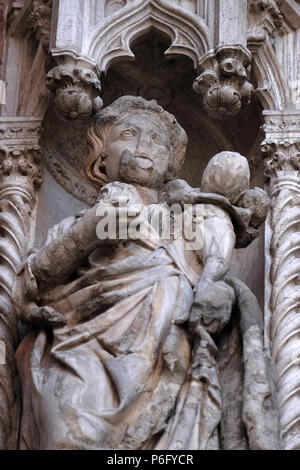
(128, 133)
(156, 138)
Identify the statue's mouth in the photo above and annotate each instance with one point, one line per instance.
(144, 162)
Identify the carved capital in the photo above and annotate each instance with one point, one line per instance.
(75, 91)
(40, 20)
(32, 17)
(20, 156)
(281, 147)
(281, 158)
(20, 166)
(224, 81)
(264, 18)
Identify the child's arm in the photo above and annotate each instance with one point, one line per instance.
(213, 298)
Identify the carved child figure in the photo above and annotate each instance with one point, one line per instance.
(123, 350)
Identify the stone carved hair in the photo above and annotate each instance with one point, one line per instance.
(122, 107)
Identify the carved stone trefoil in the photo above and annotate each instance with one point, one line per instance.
(75, 91)
(224, 81)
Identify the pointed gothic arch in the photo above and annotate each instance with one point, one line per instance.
(273, 90)
(112, 39)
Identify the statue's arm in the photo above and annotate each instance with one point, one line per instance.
(213, 298)
(218, 244)
(56, 261)
(66, 246)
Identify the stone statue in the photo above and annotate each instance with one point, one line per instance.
(134, 341)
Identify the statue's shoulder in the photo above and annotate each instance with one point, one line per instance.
(214, 210)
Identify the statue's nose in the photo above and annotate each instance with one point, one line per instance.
(143, 147)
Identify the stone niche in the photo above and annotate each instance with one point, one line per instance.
(152, 75)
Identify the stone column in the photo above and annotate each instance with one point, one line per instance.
(20, 178)
(282, 151)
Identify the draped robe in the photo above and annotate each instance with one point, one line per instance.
(121, 373)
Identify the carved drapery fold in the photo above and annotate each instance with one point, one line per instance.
(281, 148)
(85, 45)
(20, 177)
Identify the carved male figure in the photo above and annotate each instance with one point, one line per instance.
(123, 350)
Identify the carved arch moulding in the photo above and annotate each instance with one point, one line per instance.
(188, 33)
(111, 37)
(217, 48)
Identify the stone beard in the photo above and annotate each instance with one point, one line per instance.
(131, 338)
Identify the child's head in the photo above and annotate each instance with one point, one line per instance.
(228, 174)
(258, 202)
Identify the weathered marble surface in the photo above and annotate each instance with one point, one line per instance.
(242, 52)
(125, 347)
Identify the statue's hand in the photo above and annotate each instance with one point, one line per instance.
(120, 212)
(178, 191)
(212, 306)
(45, 316)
